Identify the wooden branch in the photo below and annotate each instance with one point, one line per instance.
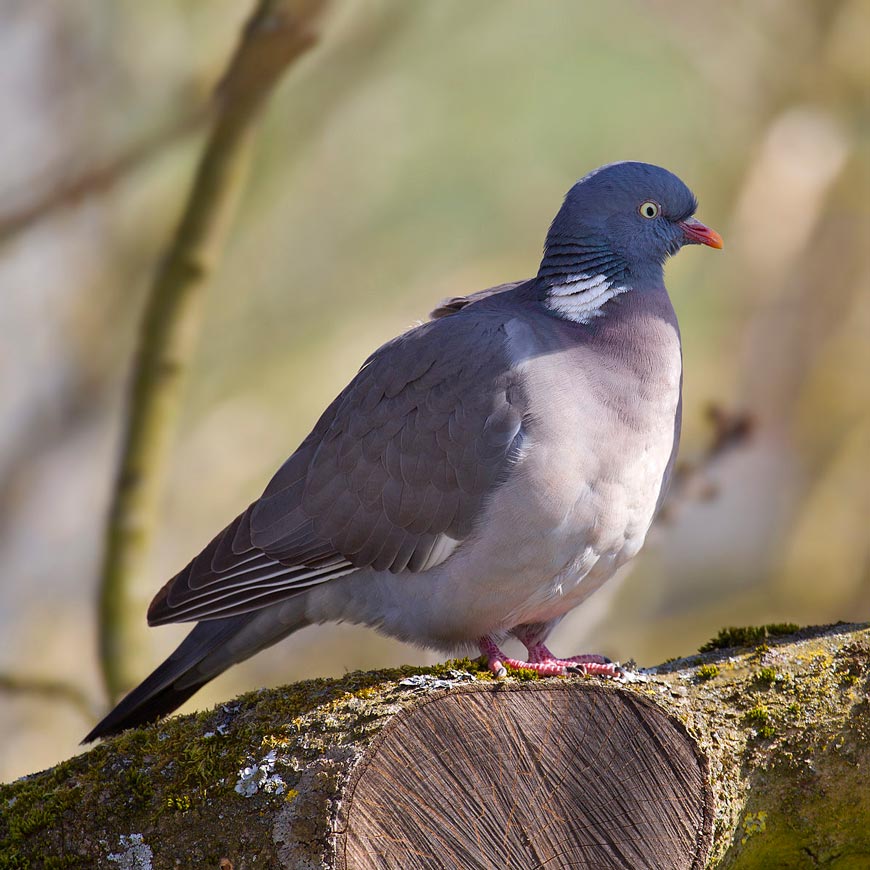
(97, 178)
(277, 34)
(48, 690)
(729, 430)
(736, 758)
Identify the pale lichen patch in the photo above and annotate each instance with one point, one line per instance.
(136, 854)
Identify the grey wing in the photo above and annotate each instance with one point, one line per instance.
(393, 477)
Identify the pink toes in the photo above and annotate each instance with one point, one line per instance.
(545, 669)
(593, 665)
(543, 662)
(595, 669)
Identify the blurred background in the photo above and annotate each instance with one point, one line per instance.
(420, 152)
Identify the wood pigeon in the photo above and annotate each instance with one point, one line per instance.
(483, 473)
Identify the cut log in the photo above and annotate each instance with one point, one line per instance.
(753, 757)
(529, 775)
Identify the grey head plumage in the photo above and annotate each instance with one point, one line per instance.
(622, 221)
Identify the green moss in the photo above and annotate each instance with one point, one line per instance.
(759, 718)
(32, 806)
(748, 635)
(162, 772)
(707, 672)
(753, 823)
(760, 652)
(61, 862)
(138, 785)
(524, 675)
(852, 668)
(177, 802)
(766, 676)
(759, 714)
(813, 816)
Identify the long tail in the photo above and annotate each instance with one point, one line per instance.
(211, 648)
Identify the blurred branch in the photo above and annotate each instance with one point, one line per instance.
(276, 35)
(49, 690)
(96, 179)
(690, 482)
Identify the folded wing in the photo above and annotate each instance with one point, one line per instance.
(394, 475)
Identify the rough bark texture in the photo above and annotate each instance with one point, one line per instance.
(740, 757)
(529, 776)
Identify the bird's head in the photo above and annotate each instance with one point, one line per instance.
(622, 221)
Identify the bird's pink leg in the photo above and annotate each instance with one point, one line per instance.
(544, 662)
(499, 663)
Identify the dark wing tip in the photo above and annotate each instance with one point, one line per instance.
(172, 682)
(131, 712)
(159, 612)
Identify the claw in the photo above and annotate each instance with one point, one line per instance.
(598, 669)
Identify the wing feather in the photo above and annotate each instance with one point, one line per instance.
(394, 475)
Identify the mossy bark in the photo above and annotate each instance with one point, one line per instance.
(783, 728)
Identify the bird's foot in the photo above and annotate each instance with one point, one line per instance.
(594, 666)
(583, 664)
(543, 662)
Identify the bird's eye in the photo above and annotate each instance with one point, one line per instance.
(650, 209)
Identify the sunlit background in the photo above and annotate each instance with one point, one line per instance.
(419, 152)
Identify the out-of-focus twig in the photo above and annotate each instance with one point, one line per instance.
(277, 34)
(690, 481)
(97, 178)
(49, 690)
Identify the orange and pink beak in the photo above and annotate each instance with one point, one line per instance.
(698, 234)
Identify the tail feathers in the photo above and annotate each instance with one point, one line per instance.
(173, 682)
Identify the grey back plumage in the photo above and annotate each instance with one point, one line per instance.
(392, 477)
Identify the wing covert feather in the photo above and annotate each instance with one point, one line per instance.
(394, 475)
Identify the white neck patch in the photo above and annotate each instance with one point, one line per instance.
(582, 297)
